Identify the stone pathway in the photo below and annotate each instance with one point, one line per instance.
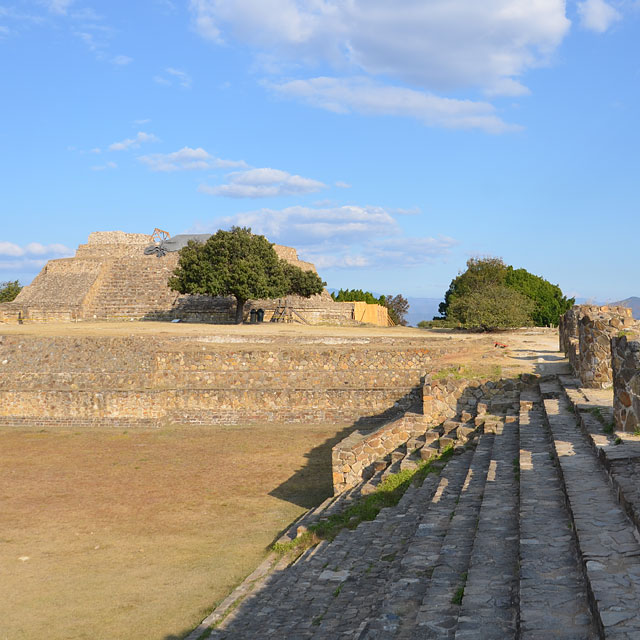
(553, 592)
(607, 540)
(489, 607)
(520, 536)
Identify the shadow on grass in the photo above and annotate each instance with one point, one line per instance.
(313, 483)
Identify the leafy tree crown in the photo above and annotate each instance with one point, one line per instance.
(241, 264)
(484, 274)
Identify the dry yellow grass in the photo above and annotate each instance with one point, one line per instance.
(137, 534)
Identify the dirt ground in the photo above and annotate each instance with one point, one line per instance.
(137, 534)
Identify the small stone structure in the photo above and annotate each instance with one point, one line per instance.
(626, 381)
(111, 278)
(355, 458)
(585, 337)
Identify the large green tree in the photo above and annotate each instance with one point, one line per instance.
(241, 264)
(491, 306)
(484, 274)
(9, 290)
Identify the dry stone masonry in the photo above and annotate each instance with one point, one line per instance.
(452, 409)
(626, 382)
(141, 380)
(111, 278)
(585, 337)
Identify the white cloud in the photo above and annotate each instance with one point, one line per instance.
(30, 258)
(187, 159)
(121, 60)
(361, 95)
(262, 183)
(4, 31)
(597, 15)
(103, 167)
(174, 75)
(133, 143)
(340, 236)
(410, 251)
(439, 45)
(342, 185)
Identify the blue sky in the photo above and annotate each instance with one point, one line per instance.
(387, 141)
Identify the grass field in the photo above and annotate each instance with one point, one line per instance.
(137, 534)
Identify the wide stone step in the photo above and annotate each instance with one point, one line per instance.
(553, 591)
(296, 600)
(489, 602)
(404, 589)
(607, 540)
(381, 579)
(440, 607)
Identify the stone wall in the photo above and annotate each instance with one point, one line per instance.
(353, 458)
(142, 380)
(626, 381)
(595, 331)
(585, 333)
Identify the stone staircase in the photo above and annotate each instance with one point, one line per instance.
(132, 287)
(529, 532)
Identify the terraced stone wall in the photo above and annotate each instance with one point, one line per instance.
(626, 382)
(142, 380)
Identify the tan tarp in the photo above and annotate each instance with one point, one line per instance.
(371, 313)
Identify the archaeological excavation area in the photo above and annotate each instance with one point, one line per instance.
(417, 484)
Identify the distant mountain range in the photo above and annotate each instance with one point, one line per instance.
(633, 303)
(422, 309)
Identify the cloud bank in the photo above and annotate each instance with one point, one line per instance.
(262, 183)
(433, 47)
(346, 236)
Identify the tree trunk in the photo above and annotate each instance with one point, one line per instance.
(240, 311)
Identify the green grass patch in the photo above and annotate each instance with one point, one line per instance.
(387, 494)
(459, 594)
(466, 372)
(607, 427)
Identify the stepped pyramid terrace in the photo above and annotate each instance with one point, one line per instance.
(112, 278)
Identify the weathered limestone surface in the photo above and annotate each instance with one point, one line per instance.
(626, 382)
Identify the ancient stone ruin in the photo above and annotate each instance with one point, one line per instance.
(111, 278)
(625, 350)
(585, 337)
